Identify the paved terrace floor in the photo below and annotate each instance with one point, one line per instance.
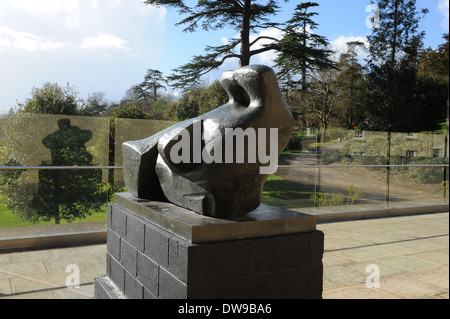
(410, 252)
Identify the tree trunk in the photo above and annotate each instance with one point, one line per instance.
(55, 209)
(304, 62)
(394, 36)
(245, 34)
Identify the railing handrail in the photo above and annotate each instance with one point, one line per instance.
(279, 166)
(366, 165)
(57, 167)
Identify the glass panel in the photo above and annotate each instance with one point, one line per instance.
(132, 130)
(418, 186)
(344, 188)
(293, 187)
(34, 195)
(37, 140)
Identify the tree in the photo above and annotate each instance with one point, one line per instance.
(197, 101)
(435, 62)
(96, 105)
(60, 194)
(351, 75)
(432, 86)
(148, 89)
(52, 99)
(188, 105)
(128, 111)
(391, 79)
(397, 41)
(300, 49)
(431, 96)
(321, 100)
(244, 16)
(68, 194)
(213, 97)
(147, 95)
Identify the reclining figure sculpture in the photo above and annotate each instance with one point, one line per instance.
(216, 164)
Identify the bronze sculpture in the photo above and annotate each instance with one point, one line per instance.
(216, 164)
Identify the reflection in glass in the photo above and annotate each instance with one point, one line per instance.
(68, 194)
(53, 140)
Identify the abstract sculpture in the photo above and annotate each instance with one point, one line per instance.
(216, 164)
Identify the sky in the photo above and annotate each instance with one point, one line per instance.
(108, 45)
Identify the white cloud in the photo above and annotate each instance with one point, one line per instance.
(45, 9)
(224, 41)
(39, 7)
(27, 41)
(266, 57)
(444, 9)
(339, 46)
(64, 40)
(105, 41)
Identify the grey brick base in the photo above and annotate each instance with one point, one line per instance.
(145, 260)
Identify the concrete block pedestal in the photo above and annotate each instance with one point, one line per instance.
(157, 250)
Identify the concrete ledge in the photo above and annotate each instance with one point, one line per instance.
(263, 221)
(52, 236)
(329, 217)
(106, 289)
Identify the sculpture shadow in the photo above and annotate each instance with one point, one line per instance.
(68, 193)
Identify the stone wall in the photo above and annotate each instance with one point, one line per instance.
(147, 261)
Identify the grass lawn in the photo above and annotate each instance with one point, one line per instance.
(285, 194)
(9, 219)
(277, 192)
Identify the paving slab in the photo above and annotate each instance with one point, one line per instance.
(412, 253)
(5, 287)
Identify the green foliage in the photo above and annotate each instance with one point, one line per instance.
(96, 105)
(128, 111)
(424, 175)
(300, 49)
(351, 78)
(187, 105)
(435, 62)
(199, 100)
(7, 177)
(246, 17)
(213, 97)
(159, 110)
(243, 16)
(443, 128)
(295, 141)
(390, 104)
(394, 51)
(324, 199)
(52, 99)
(337, 199)
(69, 195)
(431, 96)
(283, 193)
(154, 80)
(10, 219)
(353, 194)
(52, 194)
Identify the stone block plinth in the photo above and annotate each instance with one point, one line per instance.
(159, 250)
